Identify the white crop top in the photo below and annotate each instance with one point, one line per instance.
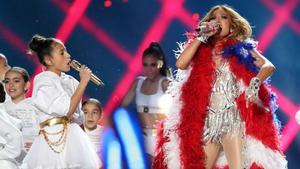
(155, 103)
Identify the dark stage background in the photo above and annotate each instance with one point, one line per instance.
(109, 37)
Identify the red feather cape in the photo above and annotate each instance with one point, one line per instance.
(195, 97)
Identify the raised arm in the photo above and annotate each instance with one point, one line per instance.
(187, 55)
(85, 75)
(129, 95)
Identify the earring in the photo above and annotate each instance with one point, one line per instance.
(160, 64)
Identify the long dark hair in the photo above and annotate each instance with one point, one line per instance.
(155, 50)
(42, 47)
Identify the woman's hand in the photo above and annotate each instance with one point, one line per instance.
(211, 28)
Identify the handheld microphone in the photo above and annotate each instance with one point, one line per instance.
(76, 65)
(206, 28)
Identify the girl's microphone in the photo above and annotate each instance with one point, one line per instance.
(76, 65)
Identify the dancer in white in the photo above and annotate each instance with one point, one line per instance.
(92, 110)
(16, 83)
(10, 138)
(152, 103)
(4, 66)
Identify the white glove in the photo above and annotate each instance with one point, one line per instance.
(253, 88)
(251, 92)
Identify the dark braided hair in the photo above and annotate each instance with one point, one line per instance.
(155, 50)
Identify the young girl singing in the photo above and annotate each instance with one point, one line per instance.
(61, 142)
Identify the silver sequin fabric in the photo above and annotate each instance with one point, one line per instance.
(223, 116)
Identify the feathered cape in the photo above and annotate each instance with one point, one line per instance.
(179, 144)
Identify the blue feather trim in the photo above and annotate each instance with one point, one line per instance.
(241, 50)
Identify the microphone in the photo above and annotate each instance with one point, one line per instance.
(206, 28)
(76, 65)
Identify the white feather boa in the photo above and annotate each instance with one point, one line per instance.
(256, 152)
(171, 148)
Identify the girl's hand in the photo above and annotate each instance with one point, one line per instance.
(85, 74)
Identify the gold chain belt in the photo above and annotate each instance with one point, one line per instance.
(61, 142)
(54, 121)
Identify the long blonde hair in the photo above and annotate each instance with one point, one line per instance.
(240, 26)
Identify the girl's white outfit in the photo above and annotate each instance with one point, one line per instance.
(27, 113)
(95, 137)
(52, 96)
(156, 103)
(10, 140)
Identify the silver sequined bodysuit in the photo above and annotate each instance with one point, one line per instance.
(223, 116)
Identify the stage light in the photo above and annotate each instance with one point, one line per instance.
(107, 3)
(130, 137)
(196, 16)
(112, 153)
